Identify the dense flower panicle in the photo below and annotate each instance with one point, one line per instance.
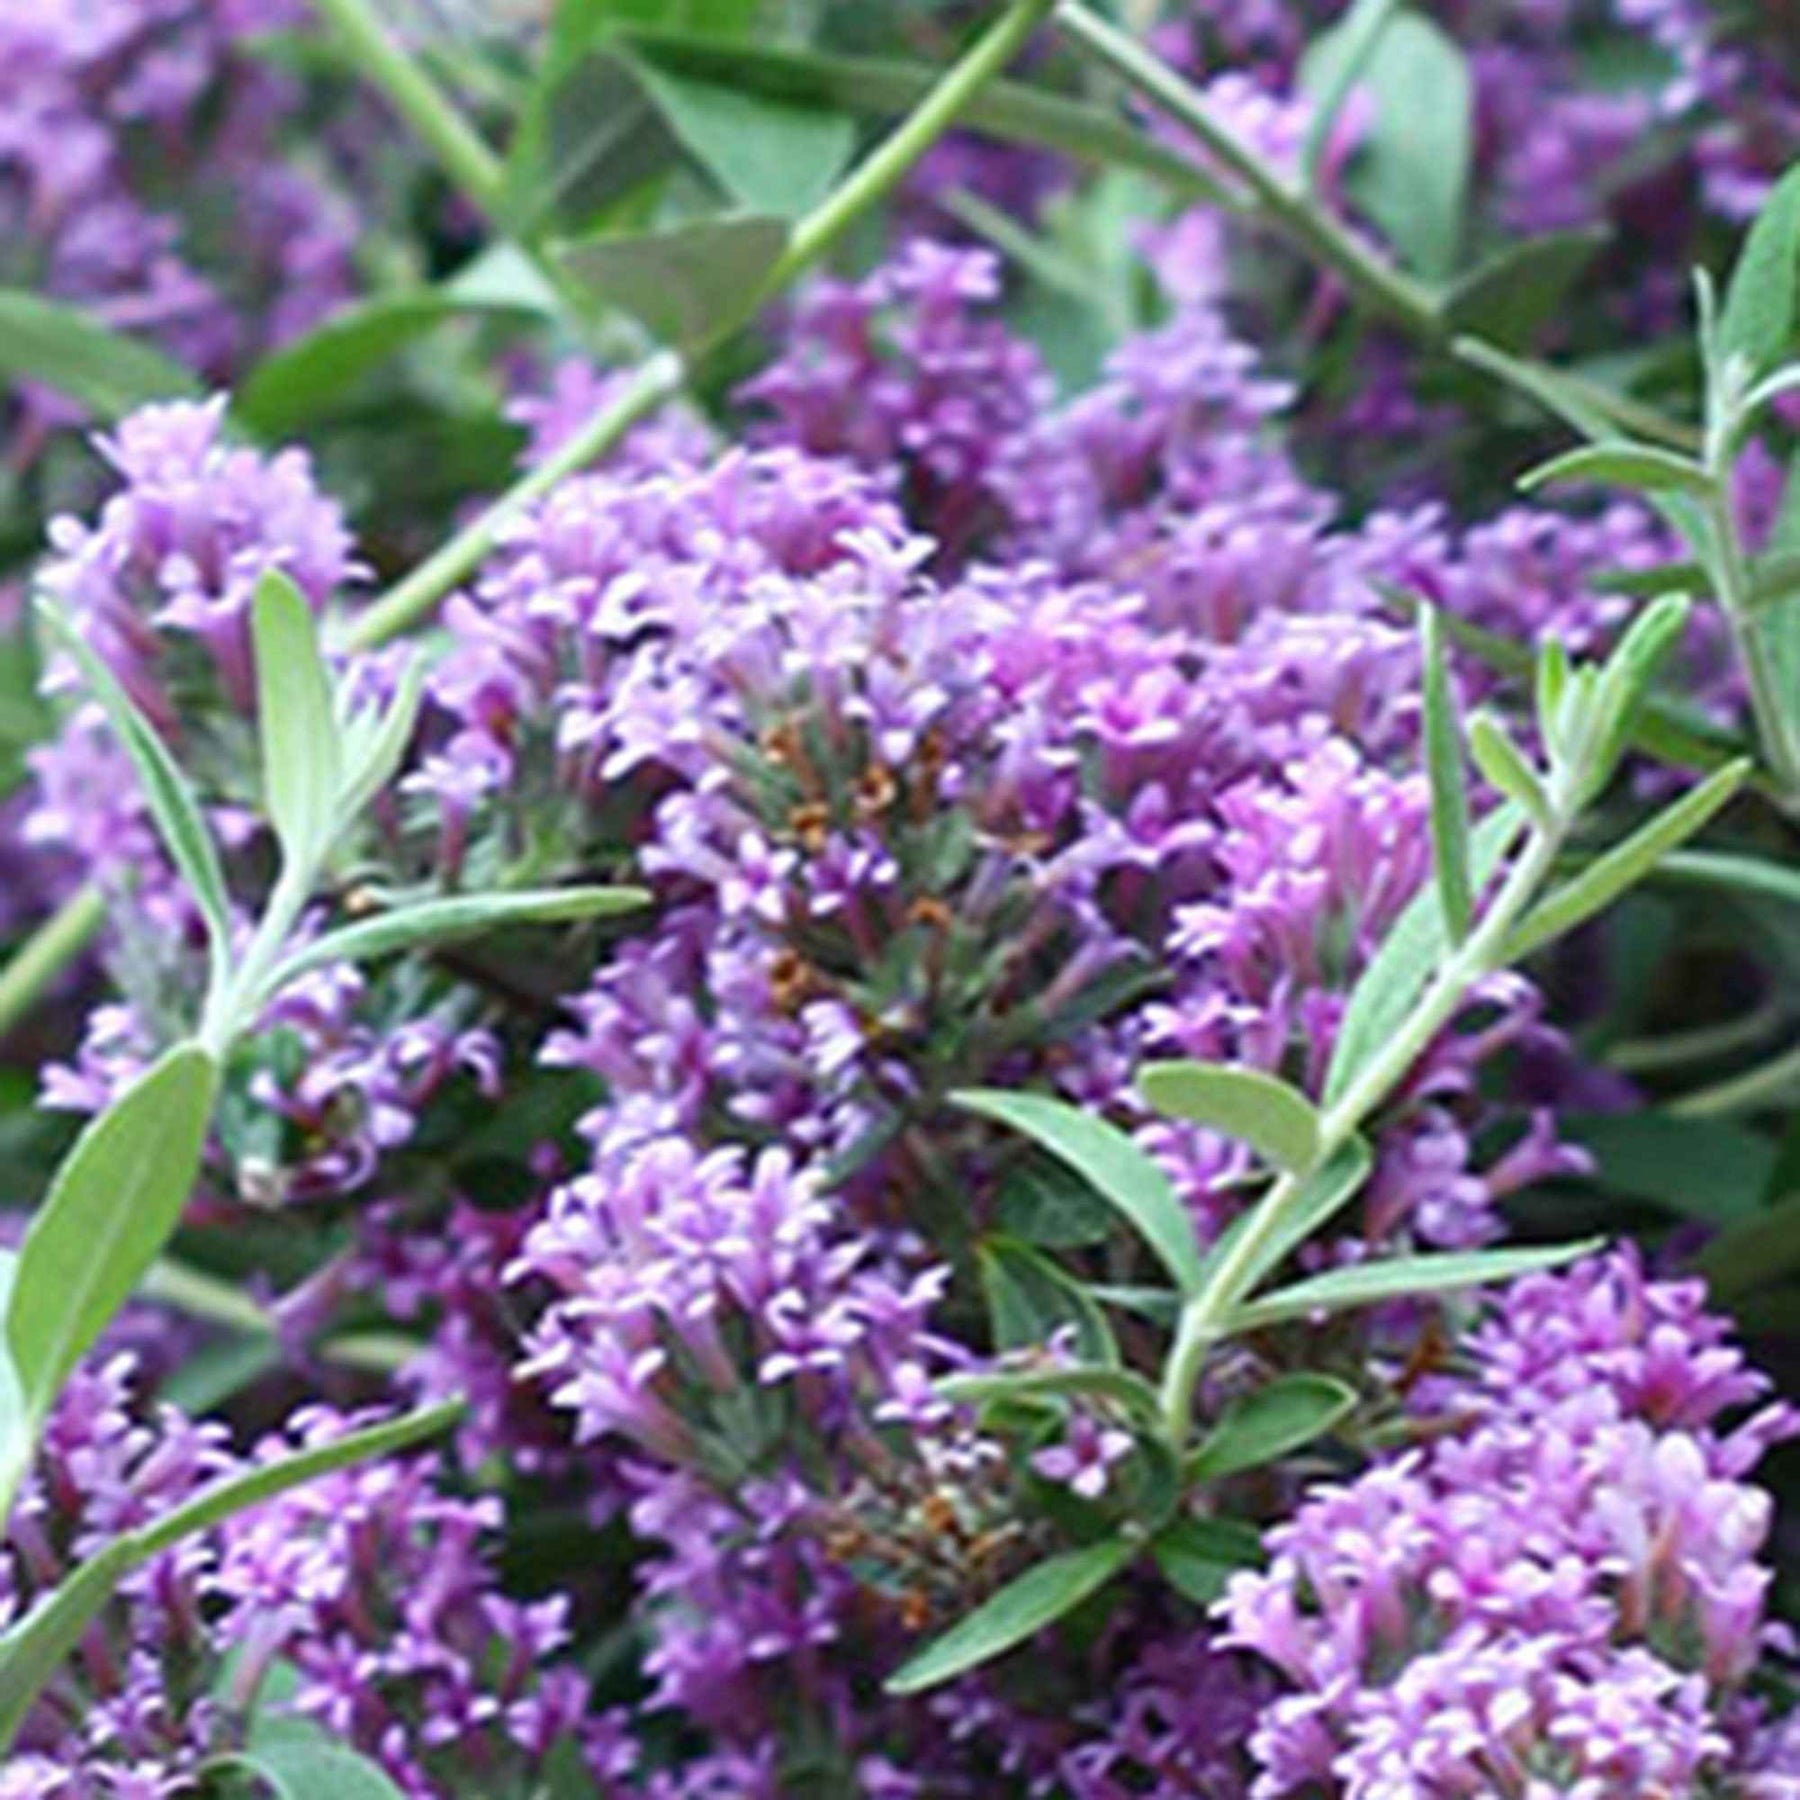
(195, 525)
(1561, 1593)
(900, 374)
(372, 1586)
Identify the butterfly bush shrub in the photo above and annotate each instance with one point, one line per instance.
(1039, 1046)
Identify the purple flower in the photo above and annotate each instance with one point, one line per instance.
(1084, 1460)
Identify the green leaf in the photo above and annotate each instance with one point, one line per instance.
(18, 1432)
(1019, 1611)
(1704, 1169)
(877, 88)
(1501, 760)
(1265, 1426)
(32, 1649)
(1754, 1252)
(446, 921)
(1409, 956)
(1080, 1381)
(1128, 1180)
(1330, 70)
(1509, 298)
(1449, 785)
(306, 378)
(1751, 875)
(1608, 876)
(1198, 1557)
(1030, 1299)
(1411, 175)
(1642, 467)
(319, 1769)
(375, 743)
(172, 803)
(1047, 1203)
(297, 720)
(1757, 324)
(772, 156)
(1561, 395)
(1625, 683)
(63, 348)
(1324, 1194)
(1400, 1278)
(689, 284)
(112, 1206)
(1275, 1120)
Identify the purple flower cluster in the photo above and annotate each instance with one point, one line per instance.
(366, 1595)
(1560, 1592)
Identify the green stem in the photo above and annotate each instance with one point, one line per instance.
(1205, 1316)
(1296, 211)
(1761, 1086)
(47, 952)
(416, 597)
(885, 167)
(459, 149)
(1750, 638)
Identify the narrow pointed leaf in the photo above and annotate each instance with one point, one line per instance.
(1265, 1426)
(1031, 1299)
(1127, 1179)
(171, 801)
(1409, 955)
(1641, 467)
(1504, 764)
(312, 1768)
(64, 348)
(1625, 681)
(1757, 323)
(1198, 1557)
(447, 921)
(1622, 867)
(1275, 1120)
(687, 284)
(1449, 784)
(382, 751)
(297, 720)
(1400, 1278)
(1082, 1381)
(1019, 1611)
(1326, 1192)
(33, 1648)
(1510, 297)
(112, 1207)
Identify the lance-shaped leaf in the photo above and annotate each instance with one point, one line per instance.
(1198, 1557)
(1020, 1610)
(1031, 1299)
(1326, 1192)
(1624, 683)
(688, 284)
(1510, 297)
(61, 347)
(1127, 1179)
(1279, 1417)
(1757, 324)
(308, 1765)
(1409, 956)
(171, 801)
(1080, 1381)
(1400, 1278)
(375, 742)
(1501, 760)
(449, 920)
(1275, 1120)
(32, 1649)
(297, 717)
(1608, 876)
(113, 1205)
(1449, 784)
(1641, 467)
